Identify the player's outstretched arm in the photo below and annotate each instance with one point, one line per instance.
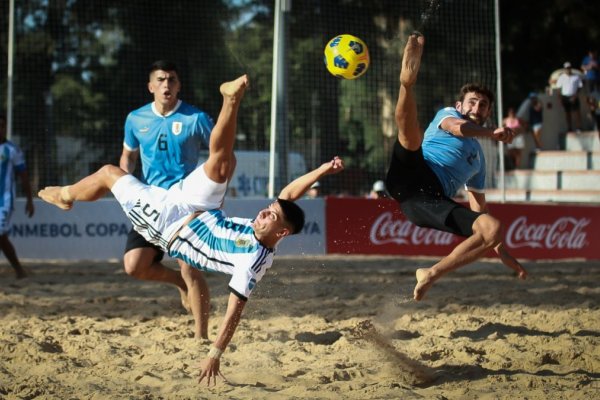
(296, 189)
(210, 367)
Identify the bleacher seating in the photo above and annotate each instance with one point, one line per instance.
(569, 175)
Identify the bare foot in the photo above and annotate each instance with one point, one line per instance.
(55, 195)
(235, 89)
(185, 302)
(21, 273)
(511, 262)
(516, 266)
(424, 282)
(411, 60)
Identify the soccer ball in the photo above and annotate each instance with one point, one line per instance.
(346, 56)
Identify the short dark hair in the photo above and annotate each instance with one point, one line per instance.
(164, 65)
(293, 214)
(476, 88)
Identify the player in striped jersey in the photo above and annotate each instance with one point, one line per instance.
(12, 164)
(186, 220)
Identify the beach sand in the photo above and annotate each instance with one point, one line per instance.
(315, 328)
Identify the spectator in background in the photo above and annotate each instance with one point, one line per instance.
(314, 191)
(535, 119)
(514, 149)
(569, 85)
(12, 164)
(378, 190)
(589, 66)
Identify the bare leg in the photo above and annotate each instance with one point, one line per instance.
(510, 261)
(537, 138)
(569, 125)
(577, 115)
(198, 297)
(11, 255)
(90, 188)
(486, 235)
(517, 158)
(410, 134)
(139, 263)
(220, 161)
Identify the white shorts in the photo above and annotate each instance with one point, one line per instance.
(517, 143)
(158, 213)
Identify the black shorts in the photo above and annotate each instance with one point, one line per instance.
(137, 241)
(418, 190)
(570, 103)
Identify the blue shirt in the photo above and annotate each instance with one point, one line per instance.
(169, 145)
(456, 161)
(12, 161)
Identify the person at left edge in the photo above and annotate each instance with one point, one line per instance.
(12, 165)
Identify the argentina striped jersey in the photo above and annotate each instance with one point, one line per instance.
(214, 242)
(11, 161)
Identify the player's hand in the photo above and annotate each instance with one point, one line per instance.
(210, 369)
(334, 166)
(503, 134)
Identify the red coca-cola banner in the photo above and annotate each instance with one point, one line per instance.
(366, 226)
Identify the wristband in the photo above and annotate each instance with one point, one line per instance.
(215, 352)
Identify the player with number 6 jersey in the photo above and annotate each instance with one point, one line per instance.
(169, 144)
(166, 135)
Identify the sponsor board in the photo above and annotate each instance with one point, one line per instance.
(537, 231)
(98, 230)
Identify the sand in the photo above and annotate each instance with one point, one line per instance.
(315, 328)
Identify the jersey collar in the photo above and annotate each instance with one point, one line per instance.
(155, 111)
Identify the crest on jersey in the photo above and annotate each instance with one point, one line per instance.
(241, 242)
(176, 128)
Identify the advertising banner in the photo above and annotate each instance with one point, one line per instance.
(98, 230)
(536, 231)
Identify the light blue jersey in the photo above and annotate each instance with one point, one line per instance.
(169, 145)
(214, 242)
(12, 162)
(456, 161)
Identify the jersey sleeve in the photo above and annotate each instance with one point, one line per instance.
(130, 142)
(447, 112)
(246, 276)
(204, 126)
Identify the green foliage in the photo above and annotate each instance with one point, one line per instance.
(81, 66)
(76, 108)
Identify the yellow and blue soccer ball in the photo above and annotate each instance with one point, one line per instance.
(346, 56)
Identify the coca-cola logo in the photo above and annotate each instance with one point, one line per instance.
(387, 230)
(564, 233)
